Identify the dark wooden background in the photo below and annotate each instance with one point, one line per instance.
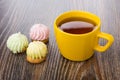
(20, 15)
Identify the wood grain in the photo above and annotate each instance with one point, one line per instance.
(20, 15)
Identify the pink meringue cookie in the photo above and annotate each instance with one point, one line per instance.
(39, 32)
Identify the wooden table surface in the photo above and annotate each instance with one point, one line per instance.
(20, 15)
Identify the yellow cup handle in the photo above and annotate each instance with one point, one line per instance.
(106, 36)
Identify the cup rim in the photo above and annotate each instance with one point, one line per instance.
(97, 25)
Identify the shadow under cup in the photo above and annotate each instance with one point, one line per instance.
(77, 47)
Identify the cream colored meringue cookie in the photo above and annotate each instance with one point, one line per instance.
(36, 52)
(17, 43)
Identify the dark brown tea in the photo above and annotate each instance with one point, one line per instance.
(77, 26)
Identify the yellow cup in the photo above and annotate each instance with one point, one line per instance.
(80, 47)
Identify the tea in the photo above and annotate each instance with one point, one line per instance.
(77, 26)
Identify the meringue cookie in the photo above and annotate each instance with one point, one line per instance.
(39, 32)
(36, 52)
(17, 43)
